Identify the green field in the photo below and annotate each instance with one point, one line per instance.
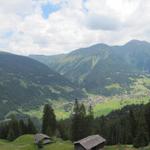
(139, 94)
(116, 103)
(58, 107)
(100, 108)
(26, 142)
(124, 147)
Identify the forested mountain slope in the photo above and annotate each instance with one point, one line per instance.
(27, 83)
(103, 69)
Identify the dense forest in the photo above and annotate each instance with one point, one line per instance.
(130, 125)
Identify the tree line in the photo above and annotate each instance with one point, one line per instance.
(14, 128)
(130, 125)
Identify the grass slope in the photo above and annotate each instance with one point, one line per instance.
(22, 143)
(116, 103)
(63, 109)
(26, 142)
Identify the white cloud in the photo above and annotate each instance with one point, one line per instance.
(21, 7)
(96, 22)
(78, 23)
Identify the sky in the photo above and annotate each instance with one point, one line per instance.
(51, 27)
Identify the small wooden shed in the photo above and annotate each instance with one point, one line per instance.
(42, 139)
(94, 142)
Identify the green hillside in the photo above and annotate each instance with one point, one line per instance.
(103, 69)
(26, 142)
(26, 83)
(102, 105)
(63, 109)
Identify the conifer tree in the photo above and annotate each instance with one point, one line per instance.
(64, 128)
(83, 127)
(79, 122)
(11, 134)
(14, 125)
(23, 127)
(76, 107)
(132, 124)
(128, 130)
(31, 129)
(90, 120)
(49, 124)
(141, 138)
(101, 129)
(91, 112)
(4, 128)
(75, 122)
(147, 117)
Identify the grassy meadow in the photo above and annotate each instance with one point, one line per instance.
(100, 108)
(116, 103)
(26, 142)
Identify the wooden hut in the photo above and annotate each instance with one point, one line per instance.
(42, 139)
(94, 142)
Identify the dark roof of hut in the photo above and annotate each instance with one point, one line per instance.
(39, 137)
(91, 141)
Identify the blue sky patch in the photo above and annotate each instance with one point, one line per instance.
(84, 7)
(50, 8)
(8, 34)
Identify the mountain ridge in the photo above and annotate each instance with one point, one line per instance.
(99, 66)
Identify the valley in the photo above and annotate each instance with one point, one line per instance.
(95, 75)
(102, 105)
(63, 109)
(74, 75)
(105, 83)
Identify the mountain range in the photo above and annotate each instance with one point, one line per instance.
(103, 69)
(29, 82)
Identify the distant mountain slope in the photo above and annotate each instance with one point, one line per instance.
(101, 68)
(27, 83)
(77, 64)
